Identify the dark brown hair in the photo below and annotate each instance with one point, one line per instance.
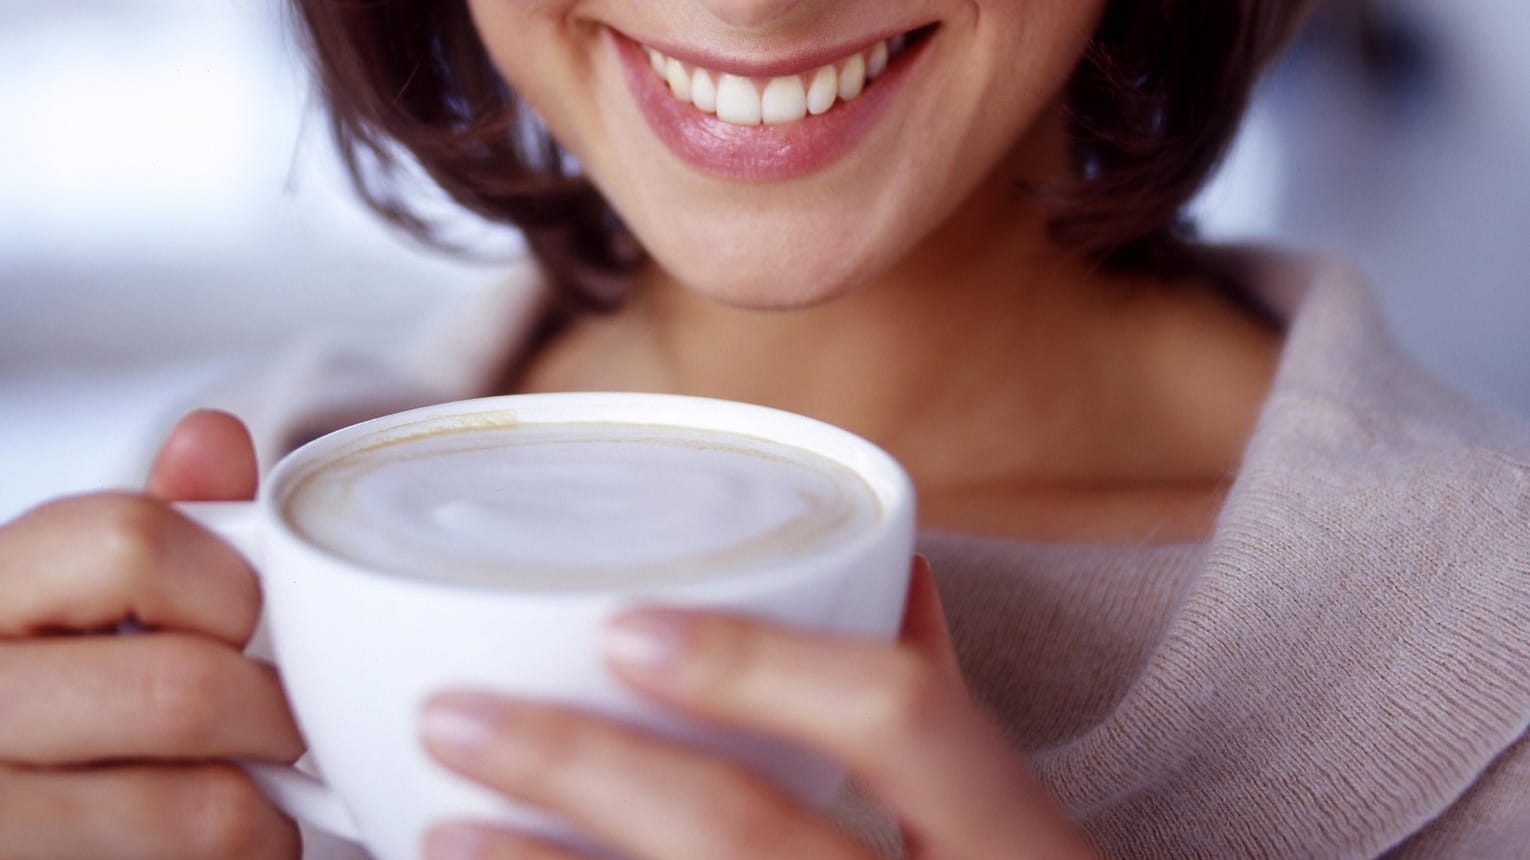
(1152, 108)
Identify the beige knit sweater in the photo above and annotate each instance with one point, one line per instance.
(1341, 671)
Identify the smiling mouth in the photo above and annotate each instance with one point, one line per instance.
(749, 101)
(771, 120)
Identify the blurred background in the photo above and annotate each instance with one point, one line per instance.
(171, 213)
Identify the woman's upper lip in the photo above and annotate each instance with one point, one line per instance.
(796, 61)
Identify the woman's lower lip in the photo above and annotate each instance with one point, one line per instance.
(762, 153)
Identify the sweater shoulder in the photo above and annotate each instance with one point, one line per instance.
(1491, 819)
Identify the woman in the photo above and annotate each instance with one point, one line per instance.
(1224, 575)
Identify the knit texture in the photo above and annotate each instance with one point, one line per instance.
(1341, 671)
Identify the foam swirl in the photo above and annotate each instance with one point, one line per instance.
(579, 506)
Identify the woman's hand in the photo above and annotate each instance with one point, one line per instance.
(108, 742)
(898, 717)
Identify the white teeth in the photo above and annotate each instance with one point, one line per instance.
(878, 61)
(783, 101)
(821, 94)
(703, 93)
(852, 79)
(738, 102)
(679, 80)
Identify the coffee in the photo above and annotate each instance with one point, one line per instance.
(578, 506)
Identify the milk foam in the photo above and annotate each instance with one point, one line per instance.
(579, 506)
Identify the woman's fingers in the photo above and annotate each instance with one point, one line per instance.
(462, 840)
(850, 699)
(650, 798)
(154, 696)
(899, 718)
(924, 621)
(93, 562)
(104, 737)
(468, 841)
(208, 456)
(130, 812)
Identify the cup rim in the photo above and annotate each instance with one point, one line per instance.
(887, 479)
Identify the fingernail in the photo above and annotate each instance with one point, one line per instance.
(455, 841)
(647, 641)
(461, 721)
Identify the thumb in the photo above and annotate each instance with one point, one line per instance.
(207, 457)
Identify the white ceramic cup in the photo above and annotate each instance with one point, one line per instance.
(360, 651)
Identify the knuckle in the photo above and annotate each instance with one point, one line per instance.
(552, 744)
(132, 536)
(724, 656)
(63, 508)
(75, 563)
(10, 797)
(904, 700)
(226, 813)
(750, 822)
(181, 684)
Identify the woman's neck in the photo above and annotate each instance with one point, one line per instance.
(995, 367)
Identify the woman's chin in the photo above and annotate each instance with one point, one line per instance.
(766, 282)
(779, 288)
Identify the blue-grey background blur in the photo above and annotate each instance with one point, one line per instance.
(171, 212)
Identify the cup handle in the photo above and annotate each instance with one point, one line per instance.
(300, 795)
(303, 796)
(235, 522)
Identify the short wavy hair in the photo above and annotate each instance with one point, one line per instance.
(1152, 107)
